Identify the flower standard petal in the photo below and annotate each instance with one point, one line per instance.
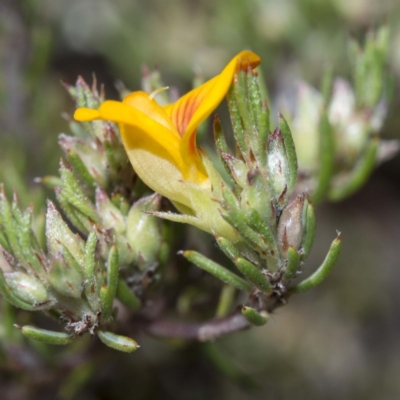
(193, 108)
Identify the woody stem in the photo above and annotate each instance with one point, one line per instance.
(207, 330)
(202, 331)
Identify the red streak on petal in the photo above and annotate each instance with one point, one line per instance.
(182, 114)
(192, 143)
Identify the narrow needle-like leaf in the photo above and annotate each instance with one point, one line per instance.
(46, 336)
(323, 271)
(254, 317)
(217, 270)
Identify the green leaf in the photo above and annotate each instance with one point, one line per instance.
(238, 220)
(89, 272)
(80, 169)
(228, 248)
(254, 99)
(323, 271)
(272, 254)
(254, 317)
(257, 139)
(242, 99)
(310, 230)
(71, 212)
(46, 336)
(29, 245)
(9, 226)
(217, 270)
(72, 192)
(237, 124)
(359, 175)
(126, 296)
(290, 152)
(253, 274)
(293, 262)
(113, 270)
(107, 293)
(264, 123)
(117, 342)
(14, 300)
(222, 147)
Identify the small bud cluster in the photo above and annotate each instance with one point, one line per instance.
(68, 280)
(136, 234)
(98, 186)
(95, 151)
(336, 131)
(73, 279)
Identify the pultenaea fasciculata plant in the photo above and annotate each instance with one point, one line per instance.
(116, 246)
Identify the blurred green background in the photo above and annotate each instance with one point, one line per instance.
(340, 340)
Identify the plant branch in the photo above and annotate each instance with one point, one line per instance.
(202, 331)
(207, 330)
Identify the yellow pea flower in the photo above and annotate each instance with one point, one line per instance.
(161, 145)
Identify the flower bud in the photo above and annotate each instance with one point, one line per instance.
(83, 95)
(117, 162)
(58, 235)
(89, 97)
(143, 231)
(238, 168)
(306, 126)
(65, 279)
(91, 154)
(278, 168)
(111, 216)
(107, 238)
(125, 250)
(291, 225)
(351, 126)
(26, 287)
(256, 195)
